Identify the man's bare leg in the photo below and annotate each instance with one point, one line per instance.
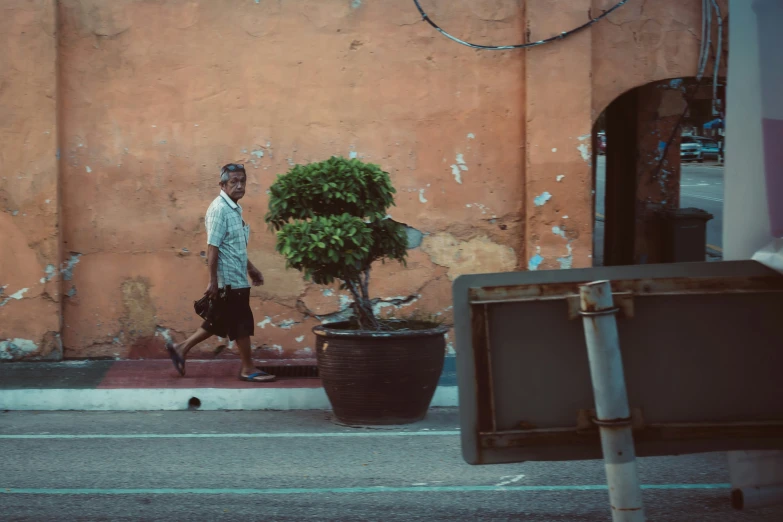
(200, 336)
(248, 368)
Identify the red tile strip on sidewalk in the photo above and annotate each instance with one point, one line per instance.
(153, 374)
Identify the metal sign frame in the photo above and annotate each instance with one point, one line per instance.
(502, 421)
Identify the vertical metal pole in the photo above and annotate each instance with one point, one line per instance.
(611, 401)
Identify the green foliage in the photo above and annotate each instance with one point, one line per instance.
(331, 220)
(330, 188)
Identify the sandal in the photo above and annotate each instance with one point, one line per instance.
(179, 362)
(257, 377)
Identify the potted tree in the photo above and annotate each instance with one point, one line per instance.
(332, 224)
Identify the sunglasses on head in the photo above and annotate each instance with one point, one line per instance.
(234, 167)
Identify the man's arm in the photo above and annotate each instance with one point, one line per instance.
(255, 274)
(216, 230)
(212, 263)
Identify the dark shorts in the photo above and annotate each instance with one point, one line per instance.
(234, 318)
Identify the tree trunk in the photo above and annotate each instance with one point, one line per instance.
(363, 305)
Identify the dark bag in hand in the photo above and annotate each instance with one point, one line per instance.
(206, 308)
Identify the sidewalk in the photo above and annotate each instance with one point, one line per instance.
(155, 385)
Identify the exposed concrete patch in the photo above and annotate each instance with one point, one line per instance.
(15, 349)
(140, 319)
(415, 237)
(393, 303)
(478, 255)
(18, 349)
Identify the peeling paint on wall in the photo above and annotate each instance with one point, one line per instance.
(267, 320)
(567, 261)
(584, 150)
(560, 178)
(165, 333)
(543, 198)
(67, 270)
(536, 260)
(459, 167)
(394, 302)
(422, 199)
(286, 324)
(50, 272)
(15, 296)
(558, 231)
(415, 237)
(13, 349)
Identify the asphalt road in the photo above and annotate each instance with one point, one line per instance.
(298, 466)
(701, 186)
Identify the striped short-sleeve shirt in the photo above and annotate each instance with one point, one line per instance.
(227, 231)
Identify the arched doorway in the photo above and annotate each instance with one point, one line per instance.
(659, 155)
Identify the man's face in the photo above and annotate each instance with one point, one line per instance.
(235, 186)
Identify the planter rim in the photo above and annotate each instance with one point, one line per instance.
(324, 330)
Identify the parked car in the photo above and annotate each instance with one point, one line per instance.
(710, 149)
(691, 149)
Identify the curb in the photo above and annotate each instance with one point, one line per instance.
(173, 399)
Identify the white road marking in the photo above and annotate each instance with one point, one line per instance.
(706, 198)
(509, 479)
(316, 491)
(294, 435)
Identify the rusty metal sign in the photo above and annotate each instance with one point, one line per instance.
(702, 350)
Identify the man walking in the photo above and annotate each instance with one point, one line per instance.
(229, 268)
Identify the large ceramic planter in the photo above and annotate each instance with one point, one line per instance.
(379, 377)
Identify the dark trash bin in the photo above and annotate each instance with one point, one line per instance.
(684, 235)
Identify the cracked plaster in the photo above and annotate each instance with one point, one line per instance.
(137, 273)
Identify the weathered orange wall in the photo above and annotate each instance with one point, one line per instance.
(155, 95)
(29, 239)
(568, 85)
